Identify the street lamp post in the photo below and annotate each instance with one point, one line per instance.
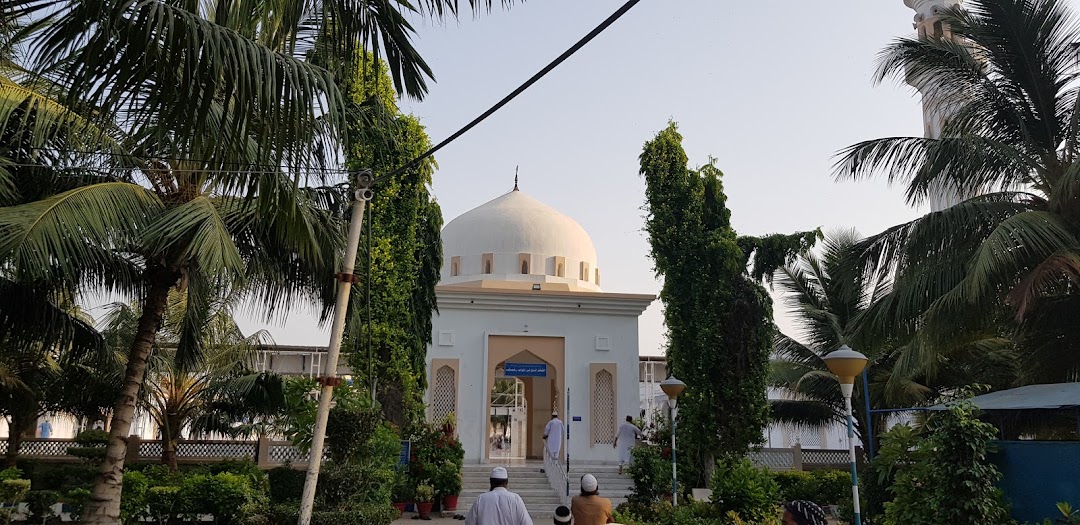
(673, 387)
(846, 363)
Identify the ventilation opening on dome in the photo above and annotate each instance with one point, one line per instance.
(524, 267)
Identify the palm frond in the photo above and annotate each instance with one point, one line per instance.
(70, 235)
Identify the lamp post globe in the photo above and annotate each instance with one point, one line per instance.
(845, 364)
(673, 388)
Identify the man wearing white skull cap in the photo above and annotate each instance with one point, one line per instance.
(499, 506)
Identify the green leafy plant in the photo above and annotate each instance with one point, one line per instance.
(739, 486)
(651, 474)
(75, 500)
(947, 476)
(91, 445)
(40, 502)
(354, 514)
(425, 493)
(286, 484)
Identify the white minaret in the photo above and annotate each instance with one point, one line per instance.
(928, 22)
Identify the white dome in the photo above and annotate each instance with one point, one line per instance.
(516, 228)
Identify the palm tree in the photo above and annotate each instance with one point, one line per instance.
(191, 234)
(226, 124)
(1007, 259)
(184, 395)
(826, 299)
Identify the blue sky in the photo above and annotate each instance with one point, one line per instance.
(772, 89)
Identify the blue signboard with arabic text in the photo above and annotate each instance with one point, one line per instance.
(525, 369)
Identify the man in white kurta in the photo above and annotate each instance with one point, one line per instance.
(499, 506)
(625, 439)
(553, 434)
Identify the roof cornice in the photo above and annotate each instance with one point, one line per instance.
(454, 297)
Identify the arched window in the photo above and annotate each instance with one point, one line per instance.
(487, 266)
(603, 408)
(454, 270)
(444, 394)
(524, 267)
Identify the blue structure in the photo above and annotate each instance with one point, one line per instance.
(1037, 475)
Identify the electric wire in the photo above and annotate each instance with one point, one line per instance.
(532, 80)
(403, 168)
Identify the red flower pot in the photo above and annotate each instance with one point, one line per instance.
(450, 503)
(424, 509)
(400, 507)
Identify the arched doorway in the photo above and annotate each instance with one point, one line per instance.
(532, 364)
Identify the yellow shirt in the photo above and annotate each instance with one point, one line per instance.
(591, 510)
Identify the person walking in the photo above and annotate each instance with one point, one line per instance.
(589, 508)
(628, 433)
(553, 433)
(802, 512)
(499, 506)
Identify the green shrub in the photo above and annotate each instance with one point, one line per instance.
(91, 447)
(63, 477)
(164, 503)
(286, 484)
(947, 477)
(355, 514)
(247, 469)
(13, 490)
(40, 504)
(739, 486)
(824, 487)
(651, 475)
(133, 497)
(75, 501)
(224, 495)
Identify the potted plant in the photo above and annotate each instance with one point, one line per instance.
(401, 493)
(425, 495)
(447, 482)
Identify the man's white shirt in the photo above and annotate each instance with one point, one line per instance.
(554, 432)
(498, 507)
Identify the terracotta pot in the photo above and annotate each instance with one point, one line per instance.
(400, 507)
(424, 509)
(450, 502)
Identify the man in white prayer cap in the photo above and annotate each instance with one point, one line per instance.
(498, 506)
(553, 434)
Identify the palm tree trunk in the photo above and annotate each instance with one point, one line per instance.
(168, 452)
(104, 505)
(14, 441)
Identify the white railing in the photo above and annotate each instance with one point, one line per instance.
(558, 477)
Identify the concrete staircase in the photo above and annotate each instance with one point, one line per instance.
(534, 488)
(526, 480)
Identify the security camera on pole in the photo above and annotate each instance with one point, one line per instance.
(345, 280)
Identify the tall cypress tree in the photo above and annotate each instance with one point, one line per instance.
(718, 316)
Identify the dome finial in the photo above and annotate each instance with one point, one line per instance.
(515, 178)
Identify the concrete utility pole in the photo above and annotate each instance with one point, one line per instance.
(330, 379)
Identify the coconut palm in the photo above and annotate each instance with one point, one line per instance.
(189, 233)
(825, 299)
(1007, 259)
(184, 395)
(828, 299)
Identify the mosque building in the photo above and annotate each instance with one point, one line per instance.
(524, 329)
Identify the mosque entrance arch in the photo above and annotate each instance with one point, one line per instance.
(528, 371)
